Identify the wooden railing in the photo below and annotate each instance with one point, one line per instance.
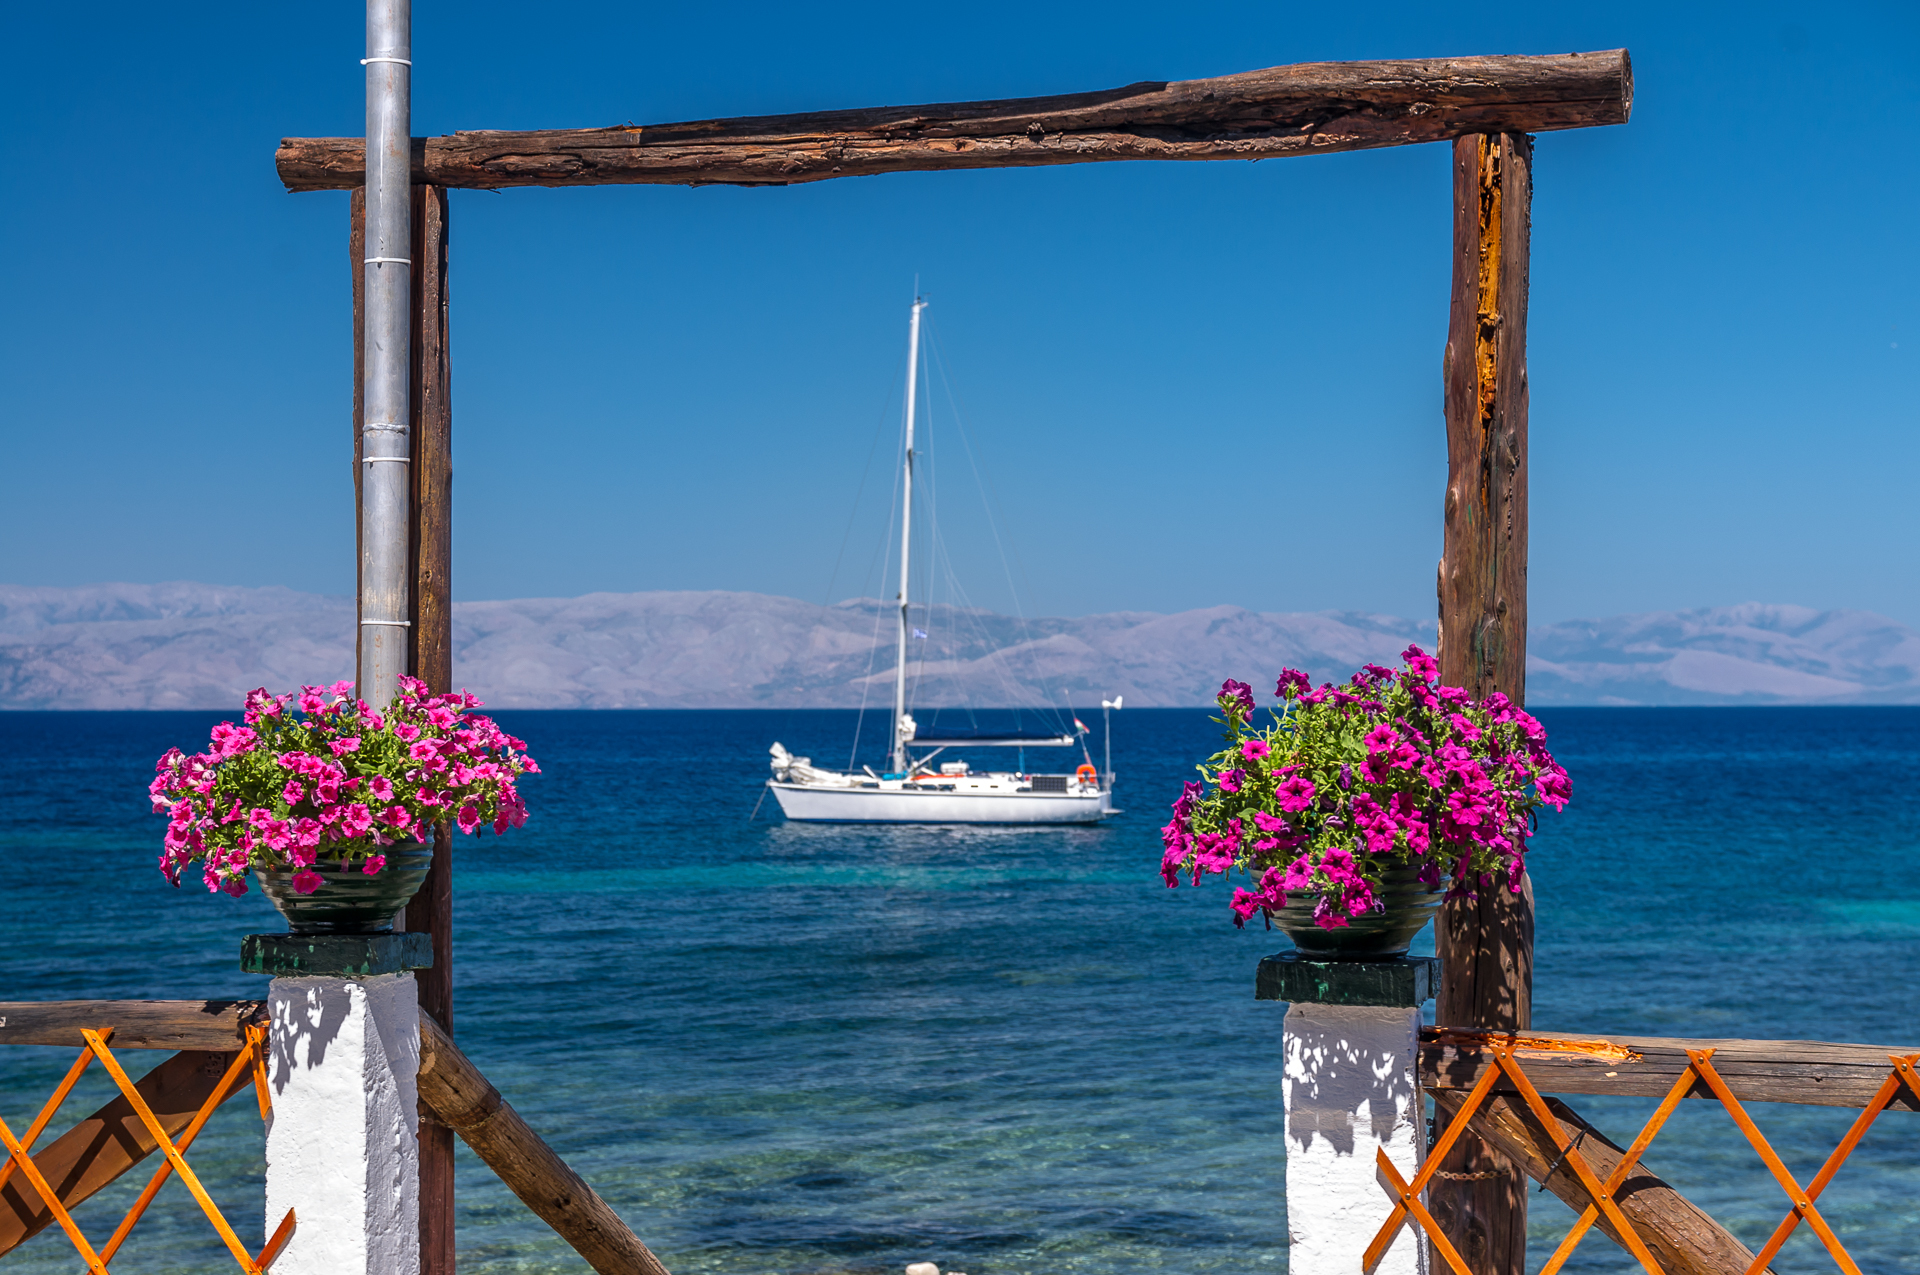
(1492, 1083)
(166, 1109)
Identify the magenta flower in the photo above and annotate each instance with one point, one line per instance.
(1230, 780)
(306, 881)
(1420, 664)
(1327, 916)
(1295, 794)
(1236, 699)
(1254, 749)
(1292, 683)
(374, 864)
(356, 820)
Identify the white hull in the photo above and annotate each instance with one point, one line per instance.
(823, 804)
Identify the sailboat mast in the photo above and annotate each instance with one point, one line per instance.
(906, 538)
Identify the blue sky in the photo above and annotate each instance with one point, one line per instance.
(1189, 384)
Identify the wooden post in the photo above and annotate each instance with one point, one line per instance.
(356, 252)
(432, 635)
(1486, 944)
(432, 662)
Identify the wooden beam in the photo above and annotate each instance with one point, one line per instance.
(431, 633)
(1806, 1072)
(1678, 1232)
(1485, 943)
(113, 1139)
(463, 1098)
(1309, 109)
(204, 1025)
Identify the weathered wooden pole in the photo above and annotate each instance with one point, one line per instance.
(431, 660)
(1486, 944)
(453, 1088)
(430, 649)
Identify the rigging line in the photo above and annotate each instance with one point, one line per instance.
(967, 615)
(990, 500)
(853, 514)
(885, 553)
(993, 652)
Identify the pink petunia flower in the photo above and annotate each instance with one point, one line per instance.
(1295, 794)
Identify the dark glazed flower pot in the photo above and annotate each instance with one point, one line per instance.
(350, 901)
(1371, 936)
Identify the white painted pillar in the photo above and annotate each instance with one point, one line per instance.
(342, 1148)
(1350, 1089)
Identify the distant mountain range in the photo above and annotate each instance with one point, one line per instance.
(183, 645)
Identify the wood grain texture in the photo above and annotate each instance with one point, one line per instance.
(431, 660)
(1807, 1072)
(1307, 109)
(356, 255)
(1485, 943)
(431, 438)
(113, 1139)
(1681, 1235)
(201, 1025)
(1483, 568)
(462, 1098)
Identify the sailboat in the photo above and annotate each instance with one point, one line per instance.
(913, 790)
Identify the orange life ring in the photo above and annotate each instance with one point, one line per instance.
(1087, 774)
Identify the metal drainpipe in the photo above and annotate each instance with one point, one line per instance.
(386, 505)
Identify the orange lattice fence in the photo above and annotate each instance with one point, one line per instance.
(248, 1065)
(1408, 1209)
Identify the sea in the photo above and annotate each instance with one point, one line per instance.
(781, 1049)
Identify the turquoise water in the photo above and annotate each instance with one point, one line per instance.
(787, 1049)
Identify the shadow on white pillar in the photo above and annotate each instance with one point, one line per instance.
(342, 1143)
(1350, 1090)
